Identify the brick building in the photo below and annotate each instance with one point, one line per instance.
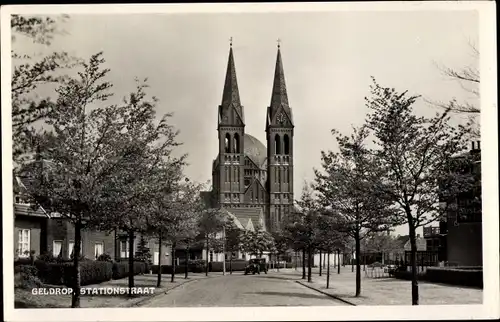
(463, 223)
(47, 233)
(246, 173)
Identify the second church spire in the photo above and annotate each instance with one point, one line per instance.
(230, 95)
(279, 96)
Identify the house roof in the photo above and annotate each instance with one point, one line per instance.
(29, 210)
(403, 239)
(248, 217)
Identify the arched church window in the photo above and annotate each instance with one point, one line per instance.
(236, 143)
(277, 144)
(227, 143)
(286, 143)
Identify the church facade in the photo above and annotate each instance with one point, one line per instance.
(246, 174)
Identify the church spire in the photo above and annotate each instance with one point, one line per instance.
(230, 95)
(279, 96)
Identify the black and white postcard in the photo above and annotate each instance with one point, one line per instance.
(245, 162)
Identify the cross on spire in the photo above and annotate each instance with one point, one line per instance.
(279, 42)
(231, 42)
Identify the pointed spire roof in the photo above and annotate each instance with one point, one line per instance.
(279, 96)
(231, 95)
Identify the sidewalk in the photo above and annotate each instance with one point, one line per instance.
(385, 291)
(25, 298)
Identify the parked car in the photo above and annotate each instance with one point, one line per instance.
(389, 269)
(256, 265)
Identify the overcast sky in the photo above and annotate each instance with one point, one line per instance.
(328, 59)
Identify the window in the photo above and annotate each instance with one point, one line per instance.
(124, 249)
(277, 144)
(227, 143)
(71, 246)
(211, 258)
(286, 143)
(98, 249)
(236, 143)
(23, 245)
(56, 247)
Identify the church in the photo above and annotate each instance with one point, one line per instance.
(253, 181)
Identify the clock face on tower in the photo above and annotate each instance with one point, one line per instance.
(281, 118)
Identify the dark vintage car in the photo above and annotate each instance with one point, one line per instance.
(256, 265)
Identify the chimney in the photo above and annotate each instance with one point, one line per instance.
(472, 149)
(479, 145)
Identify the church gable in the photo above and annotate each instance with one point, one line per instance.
(255, 193)
(250, 225)
(249, 164)
(282, 116)
(231, 115)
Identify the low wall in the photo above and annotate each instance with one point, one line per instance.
(466, 276)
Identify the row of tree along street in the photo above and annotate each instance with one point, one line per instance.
(395, 169)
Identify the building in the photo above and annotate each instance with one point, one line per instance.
(247, 174)
(463, 220)
(39, 232)
(435, 238)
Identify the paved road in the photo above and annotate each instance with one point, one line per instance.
(240, 290)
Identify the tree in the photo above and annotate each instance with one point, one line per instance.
(308, 225)
(415, 155)
(469, 79)
(79, 157)
(328, 238)
(147, 146)
(184, 220)
(233, 241)
(143, 253)
(346, 187)
(281, 244)
(256, 242)
(380, 243)
(211, 222)
(28, 74)
(296, 232)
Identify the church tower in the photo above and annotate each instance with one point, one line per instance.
(228, 173)
(279, 133)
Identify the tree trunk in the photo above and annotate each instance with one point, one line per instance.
(338, 262)
(328, 271)
(296, 259)
(358, 264)
(186, 264)
(414, 279)
(172, 278)
(304, 263)
(231, 264)
(309, 264)
(131, 261)
(383, 257)
(278, 256)
(75, 297)
(320, 263)
(352, 262)
(207, 251)
(158, 282)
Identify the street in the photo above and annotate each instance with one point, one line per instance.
(241, 290)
